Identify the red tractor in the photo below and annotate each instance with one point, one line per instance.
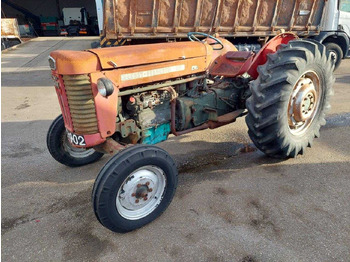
(125, 99)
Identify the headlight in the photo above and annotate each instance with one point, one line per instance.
(52, 63)
(105, 86)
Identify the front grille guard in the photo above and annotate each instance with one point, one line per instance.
(80, 103)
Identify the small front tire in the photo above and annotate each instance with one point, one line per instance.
(134, 188)
(61, 149)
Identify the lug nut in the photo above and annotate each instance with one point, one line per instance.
(133, 194)
(136, 201)
(145, 198)
(147, 183)
(150, 190)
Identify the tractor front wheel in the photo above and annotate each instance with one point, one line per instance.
(134, 188)
(289, 98)
(61, 149)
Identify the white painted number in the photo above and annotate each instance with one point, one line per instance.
(81, 141)
(76, 139)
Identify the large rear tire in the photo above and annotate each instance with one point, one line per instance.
(134, 188)
(61, 149)
(290, 98)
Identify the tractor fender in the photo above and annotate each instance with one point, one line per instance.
(268, 48)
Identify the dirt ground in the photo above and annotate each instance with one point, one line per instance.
(232, 204)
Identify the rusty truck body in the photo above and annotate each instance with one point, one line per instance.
(173, 19)
(10, 35)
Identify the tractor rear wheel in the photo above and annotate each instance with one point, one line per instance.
(290, 98)
(61, 149)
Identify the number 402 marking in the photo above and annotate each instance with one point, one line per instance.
(75, 139)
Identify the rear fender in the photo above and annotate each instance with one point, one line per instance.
(268, 48)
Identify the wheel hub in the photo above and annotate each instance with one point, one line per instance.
(303, 103)
(141, 192)
(334, 55)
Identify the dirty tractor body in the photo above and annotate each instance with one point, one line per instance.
(123, 100)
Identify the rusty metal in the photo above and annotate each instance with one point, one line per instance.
(159, 86)
(81, 103)
(129, 129)
(232, 64)
(126, 56)
(275, 15)
(230, 18)
(110, 146)
(225, 119)
(9, 28)
(221, 120)
(74, 63)
(136, 201)
(304, 102)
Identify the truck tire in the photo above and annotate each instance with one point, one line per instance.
(61, 149)
(134, 188)
(336, 51)
(290, 98)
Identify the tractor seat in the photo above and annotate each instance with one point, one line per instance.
(232, 64)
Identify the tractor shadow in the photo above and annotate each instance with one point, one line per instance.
(25, 157)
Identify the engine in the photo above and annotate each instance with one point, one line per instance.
(197, 102)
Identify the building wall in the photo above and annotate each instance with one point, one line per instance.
(46, 8)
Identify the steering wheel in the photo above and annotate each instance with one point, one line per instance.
(193, 38)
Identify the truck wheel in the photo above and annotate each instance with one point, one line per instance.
(336, 52)
(134, 188)
(289, 98)
(61, 149)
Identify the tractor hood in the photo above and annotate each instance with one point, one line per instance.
(67, 62)
(125, 56)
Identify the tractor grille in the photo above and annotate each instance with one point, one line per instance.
(81, 103)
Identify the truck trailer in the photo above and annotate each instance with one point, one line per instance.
(247, 24)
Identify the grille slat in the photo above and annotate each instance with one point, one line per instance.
(77, 82)
(79, 92)
(82, 125)
(78, 98)
(79, 88)
(82, 112)
(81, 103)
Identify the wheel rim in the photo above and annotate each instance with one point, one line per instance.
(141, 192)
(334, 55)
(304, 103)
(74, 151)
